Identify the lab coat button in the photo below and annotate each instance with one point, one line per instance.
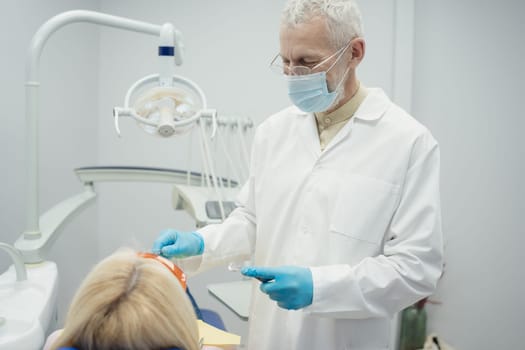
(327, 120)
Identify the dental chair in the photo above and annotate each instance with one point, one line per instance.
(206, 315)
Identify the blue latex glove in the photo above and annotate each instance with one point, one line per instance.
(290, 286)
(175, 244)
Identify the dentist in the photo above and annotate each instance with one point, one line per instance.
(341, 212)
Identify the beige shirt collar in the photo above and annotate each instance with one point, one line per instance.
(343, 113)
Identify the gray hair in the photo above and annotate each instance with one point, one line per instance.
(342, 16)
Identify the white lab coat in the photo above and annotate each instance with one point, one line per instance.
(364, 215)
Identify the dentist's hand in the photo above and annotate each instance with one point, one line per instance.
(290, 286)
(174, 244)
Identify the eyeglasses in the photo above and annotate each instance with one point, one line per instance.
(174, 269)
(278, 66)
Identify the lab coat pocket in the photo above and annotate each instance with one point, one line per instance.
(364, 208)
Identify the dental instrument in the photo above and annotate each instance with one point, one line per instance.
(234, 266)
(212, 200)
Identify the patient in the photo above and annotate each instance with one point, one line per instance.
(129, 302)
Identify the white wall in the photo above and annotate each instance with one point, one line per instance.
(68, 129)
(468, 88)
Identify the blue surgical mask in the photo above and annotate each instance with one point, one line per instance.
(310, 92)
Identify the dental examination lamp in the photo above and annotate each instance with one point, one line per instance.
(169, 104)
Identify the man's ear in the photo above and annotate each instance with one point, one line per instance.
(358, 48)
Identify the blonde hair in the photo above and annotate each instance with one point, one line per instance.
(129, 302)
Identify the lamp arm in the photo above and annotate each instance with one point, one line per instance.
(53, 24)
(32, 92)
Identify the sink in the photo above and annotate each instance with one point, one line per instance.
(19, 334)
(27, 307)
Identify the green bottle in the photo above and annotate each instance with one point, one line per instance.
(413, 326)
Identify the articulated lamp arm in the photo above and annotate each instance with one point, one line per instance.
(33, 252)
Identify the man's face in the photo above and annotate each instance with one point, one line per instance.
(307, 44)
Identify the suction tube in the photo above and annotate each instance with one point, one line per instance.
(21, 273)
